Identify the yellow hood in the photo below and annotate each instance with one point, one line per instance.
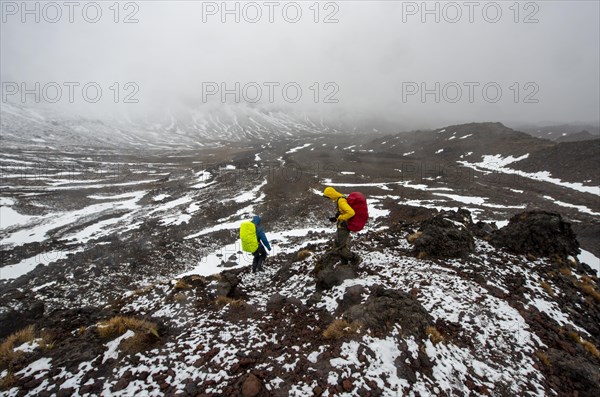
(331, 193)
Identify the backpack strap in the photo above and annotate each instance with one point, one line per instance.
(337, 203)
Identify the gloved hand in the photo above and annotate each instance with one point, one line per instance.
(344, 224)
(333, 219)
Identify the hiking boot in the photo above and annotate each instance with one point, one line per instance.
(356, 260)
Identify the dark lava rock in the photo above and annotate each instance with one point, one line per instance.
(583, 375)
(446, 235)
(277, 302)
(387, 307)
(539, 233)
(13, 321)
(251, 386)
(333, 276)
(227, 284)
(352, 296)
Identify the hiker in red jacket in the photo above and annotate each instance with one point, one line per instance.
(342, 239)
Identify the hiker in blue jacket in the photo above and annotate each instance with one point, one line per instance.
(260, 254)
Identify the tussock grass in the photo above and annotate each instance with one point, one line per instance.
(145, 332)
(341, 328)
(543, 357)
(547, 288)
(591, 348)
(137, 343)
(587, 285)
(587, 345)
(303, 254)
(434, 335)
(7, 352)
(565, 271)
(47, 341)
(411, 238)
(119, 324)
(234, 303)
(181, 285)
(587, 280)
(8, 381)
(591, 291)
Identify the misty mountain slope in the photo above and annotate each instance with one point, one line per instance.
(185, 129)
(490, 183)
(570, 161)
(490, 322)
(457, 140)
(578, 136)
(564, 132)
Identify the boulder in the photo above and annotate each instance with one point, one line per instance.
(446, 235)
(387, 307)
(251, 386)
(540, 233)
(333, 276)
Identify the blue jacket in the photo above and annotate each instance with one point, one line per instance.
(260, 233)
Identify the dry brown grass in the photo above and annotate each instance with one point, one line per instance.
(342, 328)
(143, 290)
(543, 357)
(587, 345)
(434, 335)
(591, 348)
(137, 343)
(587, 285)
(234, 303)
(587, 280)
(7, 352)
(145, 332)
(8, 381)
(547, 288)
(574, 336)
(181, 285)
(47, 341)
(591, 291)
(119, 324)
(303, 254)
(411, 238)
(565, 271)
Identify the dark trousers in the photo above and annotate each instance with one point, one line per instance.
(342, 242)
(259, 258)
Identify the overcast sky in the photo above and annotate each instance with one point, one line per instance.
(538, 62)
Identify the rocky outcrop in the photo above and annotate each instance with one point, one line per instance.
(540, 233)
(385, 308)
(446, 235)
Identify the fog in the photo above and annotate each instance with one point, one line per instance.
(526, 62)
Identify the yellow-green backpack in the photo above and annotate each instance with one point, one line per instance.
(248, 237)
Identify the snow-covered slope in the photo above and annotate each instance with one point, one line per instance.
(204, 126)
(143, 289)
(488, 323)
